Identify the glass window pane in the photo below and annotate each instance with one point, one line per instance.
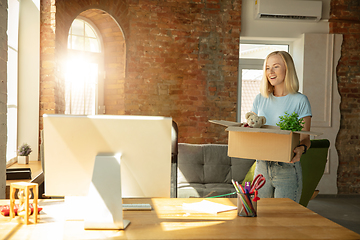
(81, 77)
(11, 144)
(260, 51)
(91, 45)
(90, 88)
(13, 23)
(82, 36)
(77, 27)
(251, 79)
(89, 32)
(12, 96)
(80, 88)
(69, 42)
(78, 43)
(12, 77)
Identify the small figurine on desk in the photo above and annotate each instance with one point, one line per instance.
(24, 195)
(22, 210)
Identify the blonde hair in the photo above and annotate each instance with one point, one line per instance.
(291, 80)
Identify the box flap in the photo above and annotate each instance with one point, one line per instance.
(309, 133)
(225, 123)
(263, 129)
(269, 129)
(235, 126)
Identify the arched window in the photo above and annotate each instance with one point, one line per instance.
(83, 68)
(83, 37)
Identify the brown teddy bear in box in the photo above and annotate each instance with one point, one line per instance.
(253, 120)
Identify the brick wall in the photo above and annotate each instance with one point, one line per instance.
(345, 19)
(181, 60)
(51, 94)
(3, 94)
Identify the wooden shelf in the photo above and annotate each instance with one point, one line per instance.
(37, 174)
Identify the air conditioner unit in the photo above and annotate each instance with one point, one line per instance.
(288, 10)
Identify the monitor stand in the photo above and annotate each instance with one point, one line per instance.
(104, 200)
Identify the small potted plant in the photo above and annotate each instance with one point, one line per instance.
(291, 122)
(23, 153)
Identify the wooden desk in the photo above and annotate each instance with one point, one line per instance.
(37, 175)
(277, 219)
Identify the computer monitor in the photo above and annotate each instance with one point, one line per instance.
(71, 144)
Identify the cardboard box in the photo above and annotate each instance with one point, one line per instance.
(265, 143)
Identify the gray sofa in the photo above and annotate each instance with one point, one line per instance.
(206, 170)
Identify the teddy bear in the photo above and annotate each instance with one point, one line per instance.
(253, 120)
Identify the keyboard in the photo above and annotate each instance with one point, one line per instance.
(137, 207)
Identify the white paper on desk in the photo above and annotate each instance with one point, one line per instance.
(208, 207)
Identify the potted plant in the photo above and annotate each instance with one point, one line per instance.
(291, 122)
(23, 153)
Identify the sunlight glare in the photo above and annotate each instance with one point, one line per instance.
(80, 84)
(175, 226)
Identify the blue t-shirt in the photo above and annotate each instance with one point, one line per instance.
(273, 107)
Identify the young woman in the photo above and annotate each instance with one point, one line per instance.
(279, 94)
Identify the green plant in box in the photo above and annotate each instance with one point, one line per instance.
(291, 122)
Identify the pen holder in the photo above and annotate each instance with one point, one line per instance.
(246, 205)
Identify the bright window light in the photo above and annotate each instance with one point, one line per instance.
(80, 87)
(260, 51)
(83, 66)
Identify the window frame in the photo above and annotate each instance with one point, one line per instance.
(94, 57)
(97, 32)
(253, 64)
(12, 80)
(256, 64)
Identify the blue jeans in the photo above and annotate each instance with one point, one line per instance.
(283, 180)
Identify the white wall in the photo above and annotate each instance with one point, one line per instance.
(29, 75)
(251, 28)
(299, 34)
(321, 55)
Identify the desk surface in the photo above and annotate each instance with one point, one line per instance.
(277, 219)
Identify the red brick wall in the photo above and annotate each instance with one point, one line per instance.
(47, 59)
(182, 62)
(181, 59)
(345, 19)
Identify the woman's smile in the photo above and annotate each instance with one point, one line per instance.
(275, 70)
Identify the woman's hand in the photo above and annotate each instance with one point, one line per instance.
(304, 140)
(298, 153)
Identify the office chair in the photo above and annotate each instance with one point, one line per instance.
(313, 167)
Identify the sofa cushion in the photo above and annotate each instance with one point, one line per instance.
(217, 165)
(190, 163)
(206, 168)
